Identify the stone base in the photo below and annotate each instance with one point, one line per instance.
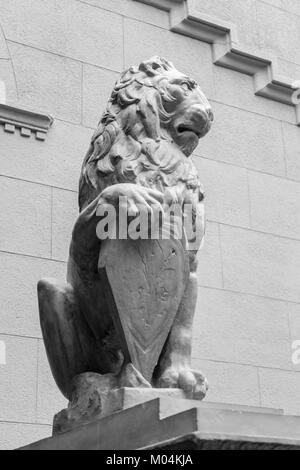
(170, 421)
(202, 441)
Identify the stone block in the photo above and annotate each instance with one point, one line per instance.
(242, 329)
(289, 69)
(66, 27)
(48, 82)
(291, 136)
(130, 429)
(7, 76)
(18, 379)
(25, 217)
(173, 401)
(275, 3)
(97, 87)
(236, 89)
(244, 139)
(291, 5)
(135, 10)
(14, 435)
(230, 383)
(226, 192)
(209, 258)
(64, 213)
(270, 22)
(142, 41)
(294, 322)
(56, 162)
(49, 399)
(260, 264)
(240, 12)
(141, 427)
(18, 298)
(275, 205)
(280, 389)
(3, 48)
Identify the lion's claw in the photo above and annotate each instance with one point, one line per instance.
(192, 382)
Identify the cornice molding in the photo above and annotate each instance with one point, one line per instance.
(28, 122)
(166, 5)
(228, 52)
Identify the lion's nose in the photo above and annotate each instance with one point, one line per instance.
(202, 115)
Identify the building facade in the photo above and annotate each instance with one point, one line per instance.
(61, 58)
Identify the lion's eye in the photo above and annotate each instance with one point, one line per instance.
(185, 86)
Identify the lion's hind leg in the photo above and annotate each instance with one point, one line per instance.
(174, 367)
(65, 332)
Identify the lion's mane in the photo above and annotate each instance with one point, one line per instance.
(131, 142)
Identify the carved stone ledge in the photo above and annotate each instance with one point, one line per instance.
(28, 122)
(229, 53)
(161, 4)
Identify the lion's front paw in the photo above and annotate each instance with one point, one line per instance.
(132, 197)
(192, 382)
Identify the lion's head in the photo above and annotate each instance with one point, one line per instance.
(153, 121)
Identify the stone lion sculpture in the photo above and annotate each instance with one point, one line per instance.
(124, 316)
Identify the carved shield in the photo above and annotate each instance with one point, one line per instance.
(147, 279)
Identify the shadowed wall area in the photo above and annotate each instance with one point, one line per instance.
(61, 58)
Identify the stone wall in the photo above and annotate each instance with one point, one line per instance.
(62, 57)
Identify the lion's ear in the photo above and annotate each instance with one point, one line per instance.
(154, 66)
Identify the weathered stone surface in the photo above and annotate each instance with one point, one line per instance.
(97, 86)
(291, 136)
(64, 213)
(171, 401)
(266, 265)
(3, 49)
(210, 263)
(148, 297)
(56, 164)
(148, 429)
(240, 12)
(289, 69)
(18, 395)
(228, 382)
(275, 3)
(90, 397)
(142, 40)
(243, 329)
(49, 399)
(198, 441)
(48, 82)
(269, 23)
(28, 230)
(280, 388)
(7, 76)
(226, 192)
(256, 142)
(281, 215)
(47, 25)
(21, 434)
(128, 8)
(235, 89)
(19, 310)
(294, 323)
(112, 432)
(290, 5)
(15, 120)
(124, 316)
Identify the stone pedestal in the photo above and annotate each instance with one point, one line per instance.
(164, 419)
